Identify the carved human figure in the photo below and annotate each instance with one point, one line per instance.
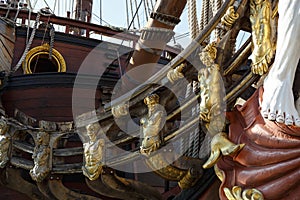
(41, 155)
(4, 142)
(151, 125)
(211, 88)
(261, 35)
(278, 101)
(93, 152)
(212, 106)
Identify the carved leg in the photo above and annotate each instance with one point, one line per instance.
(278, 101)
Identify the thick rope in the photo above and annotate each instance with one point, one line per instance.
(52, 35)
(196, 145)
(192, 18)
(219, 32)
(37, 20)
(206, 13)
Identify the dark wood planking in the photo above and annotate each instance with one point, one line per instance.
(7, 42)
(50, 103)
(74, 54)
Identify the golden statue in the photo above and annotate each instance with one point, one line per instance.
(41, 157)
(260, 14)
(93, 152)
(151, 125)
(211, 88)
(212, 106)
(4, 142)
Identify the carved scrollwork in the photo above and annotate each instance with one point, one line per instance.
(230, 17)
(41, 157)
(237, 193)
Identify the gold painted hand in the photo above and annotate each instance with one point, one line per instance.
(221, 145)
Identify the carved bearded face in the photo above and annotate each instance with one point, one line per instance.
(92, 130)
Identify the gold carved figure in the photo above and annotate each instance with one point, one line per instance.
(175, 74)
(93, 152)
(151, 125)
(120, 110)
(260, 14)
(41, 157)
(211, 86)
(4, 142)
(212, 106)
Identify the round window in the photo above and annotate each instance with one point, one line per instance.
(37, 61)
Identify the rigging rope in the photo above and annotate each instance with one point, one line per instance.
(192, 18)
(148, 8)
(145, 7)
(37, 20)
(132, 20)
(219, 32)
(137, 10)
(73, 8)
(152, 5)
(127, 12)
(208, 10)
(52, 35)
(54, 7)
(28, 26)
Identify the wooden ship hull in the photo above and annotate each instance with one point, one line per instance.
(67, 133)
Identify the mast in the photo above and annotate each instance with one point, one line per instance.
(84, 10)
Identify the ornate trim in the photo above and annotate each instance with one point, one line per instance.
(139, 46)
(237, 193)
(230, 17)
(165, 19)
(44, 50)
(154, 34)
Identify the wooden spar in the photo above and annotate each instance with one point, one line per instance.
(142, 55)
(84, 10)
(7, 43)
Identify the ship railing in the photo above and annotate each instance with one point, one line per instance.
(71, 26)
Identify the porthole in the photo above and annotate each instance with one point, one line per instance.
(37, 61)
